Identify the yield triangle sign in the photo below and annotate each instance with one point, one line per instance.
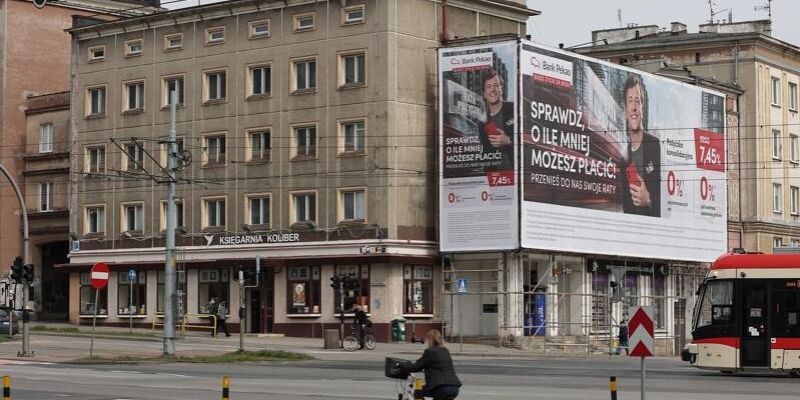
(641, 332)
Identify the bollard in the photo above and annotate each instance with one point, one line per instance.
(226, 383)
(612, 384)
(418, 389)
(6, 387)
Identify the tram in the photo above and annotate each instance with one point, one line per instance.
(747, 315)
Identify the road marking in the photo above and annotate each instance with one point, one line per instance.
(4, 361)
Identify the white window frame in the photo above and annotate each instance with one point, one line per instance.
(252, 27)
(794, 207)
(129, 164)
(265, 153)
(168, 38)
(220, 156)
(181, 211)
(342, 68)
(138, 217)
(342, 210)
(221, 88)
(207, 202)
(89, 161)
(346, 17)
(794, 148)
(299, 19)
(165, 80)
(101, 102)
(248, 211)
(91, 54)
(777, 149)
(309, 152)
(777, 198)
(211, 40)
(266, 90)
(359, 142)
(46, 137)
(181, 142)
(46, 196)
(294, 197)
(129, 47)
(138, 87)
(777, 242)
(776, 90)
(792, 96)
(100, 213)
(309, 84)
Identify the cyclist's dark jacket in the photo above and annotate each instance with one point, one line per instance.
(361, 318)
(438, 366)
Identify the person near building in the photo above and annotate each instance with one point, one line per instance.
(623, 337)
(642, 172)
(441, 381)
(362, 323)
(497, 132)
(211, 311)
(222, 313)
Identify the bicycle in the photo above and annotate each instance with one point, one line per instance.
(350, 343)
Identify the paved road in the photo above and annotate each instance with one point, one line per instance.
(358, 377)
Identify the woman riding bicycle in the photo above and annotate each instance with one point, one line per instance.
(441, 381)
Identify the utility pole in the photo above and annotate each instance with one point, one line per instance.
(242, 298)
(169, 275)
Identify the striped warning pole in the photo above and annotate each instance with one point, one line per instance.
(226, 384)
(612, 384)
(6, 387)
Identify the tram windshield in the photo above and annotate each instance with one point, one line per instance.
(715, 305)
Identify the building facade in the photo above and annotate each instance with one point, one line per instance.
(306, 132)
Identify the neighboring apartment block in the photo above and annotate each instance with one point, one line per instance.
(766, 214)
(308, 133)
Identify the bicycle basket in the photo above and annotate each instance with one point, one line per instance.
(397, 368)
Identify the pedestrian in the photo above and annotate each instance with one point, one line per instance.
(222, 313)
(362, 322)
(623, 337)
(211, 311)
(441, 381)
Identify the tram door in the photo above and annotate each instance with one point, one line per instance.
(755, 327)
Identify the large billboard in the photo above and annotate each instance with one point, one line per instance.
(478, 205)
(619, 162)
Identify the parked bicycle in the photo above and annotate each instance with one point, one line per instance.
(351, 342)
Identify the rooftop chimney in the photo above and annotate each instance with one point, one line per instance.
(678, 27)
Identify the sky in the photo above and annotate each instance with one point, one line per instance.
(584, 16)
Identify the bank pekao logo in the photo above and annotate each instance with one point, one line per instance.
(209, 239)
(549, 70)
(535, 63)
(470, 62)
(455, 61)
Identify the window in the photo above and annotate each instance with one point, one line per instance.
(792, 96)
(418, 288)
(356, 292)
(214, 210)
(795, 194)
(95, 160)
(258, 29)
(659, 299)
(259, 81)
(776, 91)
(258, 211)
(95, 219)
(178, 211)
(132, 294)
(777, 242)
(777, 198)
(96, 101)
(133, 158)
(352, 205)
(305, 141)
(134, 96)
(169, 85)
(776, 144)
(215, 35)
(173, 41)
(87, 297)
(215, 86)
(46, 138)
(132, 218)
(794, 148)
(631, 289)
(181, 285)
(353, 15)
(305, 207)
(214, 149)
(785, 321)
(600, 305)
(164, 149)
(352, 70)
(304, 22)
(97, 54)
(258, 145)
(304, 290)
(133, 48)
(352, 136)
(212, 283)
(305, 75)
(715, 304)
(46, 196)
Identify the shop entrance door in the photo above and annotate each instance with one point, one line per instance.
(264, 298)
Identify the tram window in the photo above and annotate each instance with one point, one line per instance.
(787, 313)
(715, 306)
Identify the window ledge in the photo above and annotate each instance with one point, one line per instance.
(259, 36)
(417, 315)
(165, 107)
(794, 110)
(95, 116)
(349, 86)
(356, 153)
(300, 92)
(215, 42)
(212, 102)
(303, 158)
(132, 55)
(213, 165)
(351, 23)
(94, 235)
(259, 227)
(303, 315)
(258, 161)
(92, 316)
(96, 60)
(258, 97)
(776, 105)
(176, 48)
(126, 316)
(134, 111)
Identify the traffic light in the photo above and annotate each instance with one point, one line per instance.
(335, 282)
(28, 273)
(17, 272)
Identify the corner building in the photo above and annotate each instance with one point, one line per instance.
(307, 130)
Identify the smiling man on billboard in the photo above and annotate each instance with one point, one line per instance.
(497, 131)
(642, 177)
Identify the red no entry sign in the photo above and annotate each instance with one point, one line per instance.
(99, 275)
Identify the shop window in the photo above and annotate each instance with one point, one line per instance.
(357, 288)
(659, 292)
(631, 290)
(418, 287)
(181, 283)
(87, 298)
(212, 283)
(127, 305)
(303, 290)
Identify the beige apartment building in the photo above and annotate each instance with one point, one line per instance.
(307, 131)
(767, 70)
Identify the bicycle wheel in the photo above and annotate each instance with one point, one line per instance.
(350, 343)
(369, 342)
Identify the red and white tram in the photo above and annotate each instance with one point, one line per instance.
(747, 315)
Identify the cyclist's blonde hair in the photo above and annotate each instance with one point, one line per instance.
(434, 338)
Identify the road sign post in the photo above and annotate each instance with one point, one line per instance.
(461, 288)
(131, 280)
(99, 278)
(641, 340)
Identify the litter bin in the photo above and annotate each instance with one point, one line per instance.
(331, 339)
(398, 330)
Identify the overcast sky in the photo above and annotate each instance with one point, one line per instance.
(572, 21)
